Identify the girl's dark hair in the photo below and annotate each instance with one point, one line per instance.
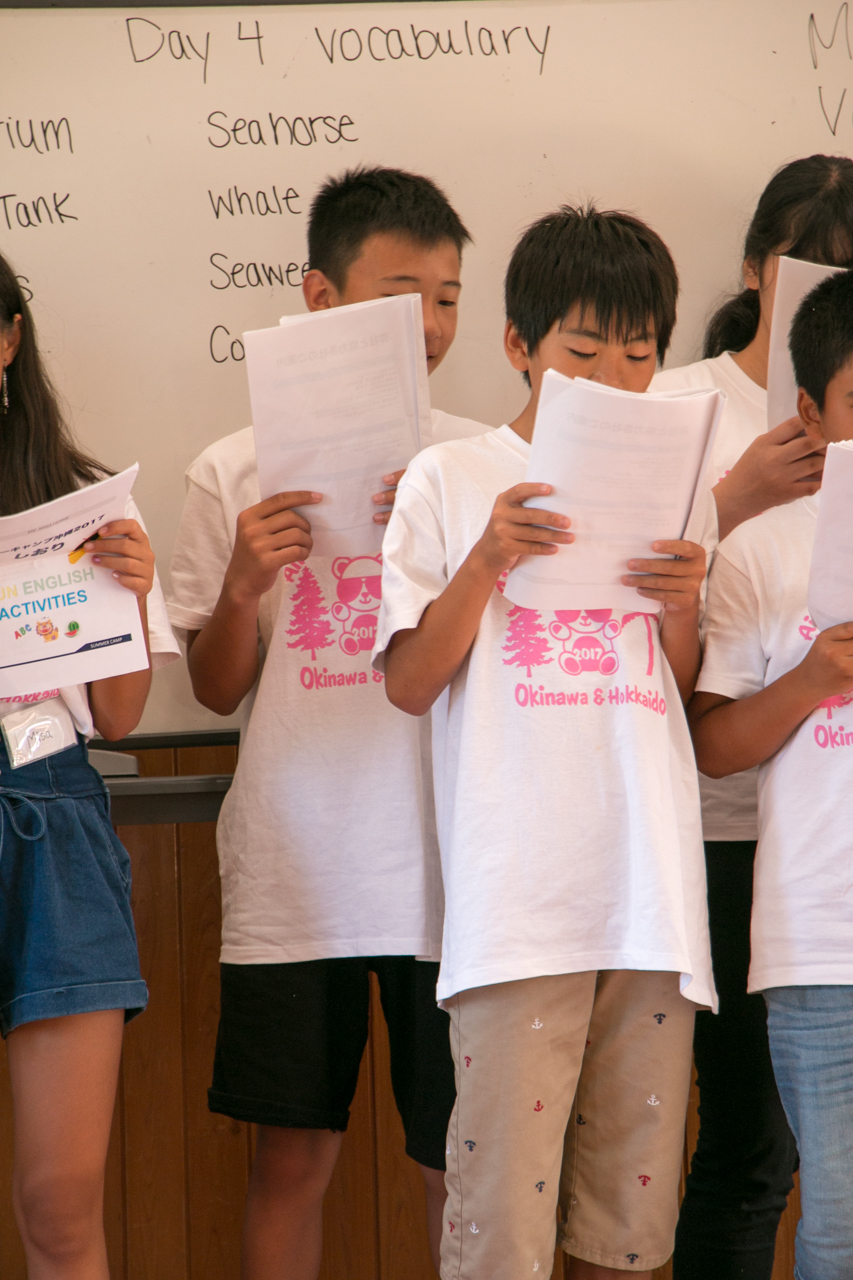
(609, 262)
(39, 460)
(805, 211)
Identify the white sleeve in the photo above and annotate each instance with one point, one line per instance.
(734, 662)
(202, 554)
(161, 641)
(414, 559)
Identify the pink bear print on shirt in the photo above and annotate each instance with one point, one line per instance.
(593, 632)
(590, 633)
(359, 593)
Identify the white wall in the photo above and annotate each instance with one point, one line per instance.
(676, 109)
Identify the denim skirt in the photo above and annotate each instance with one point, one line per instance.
(67, 941)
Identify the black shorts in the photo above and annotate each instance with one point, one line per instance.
(291, 1039)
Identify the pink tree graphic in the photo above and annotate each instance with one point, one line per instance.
(836, 702)
(309, 623)
(526, 640)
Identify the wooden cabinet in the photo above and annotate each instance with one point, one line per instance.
(177, 1174)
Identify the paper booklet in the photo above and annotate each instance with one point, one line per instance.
(794, 279)
(626, 469)
(63, 619)
(831, 578)
(339, 399)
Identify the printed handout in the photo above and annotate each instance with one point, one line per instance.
(831, 579)
(63, 619)
(794, 279)
(626, 469)
(339, 399)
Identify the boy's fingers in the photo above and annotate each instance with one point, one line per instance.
(386, 498)
(285, 501)
(790, 429)
(653, 583)
(534, 516)
(521, 492)
(394, 477)
(671, 568)
(284, 520)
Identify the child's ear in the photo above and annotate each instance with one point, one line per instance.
(751, 274)
(319, 292)
(515, 348)
(810, 416)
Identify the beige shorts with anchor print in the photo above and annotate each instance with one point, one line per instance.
(572, 1089)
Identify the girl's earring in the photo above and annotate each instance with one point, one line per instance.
(5, 391)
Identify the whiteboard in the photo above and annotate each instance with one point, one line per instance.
(199, 136)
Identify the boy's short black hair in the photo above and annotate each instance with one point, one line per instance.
(821, 337)
(609, 262)
(362, 202)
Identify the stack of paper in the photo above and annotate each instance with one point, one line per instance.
(794, 279)
(831, 578)
(626, 469)
(339, 399)
(63, 619)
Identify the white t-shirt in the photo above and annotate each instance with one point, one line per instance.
(567, 802)
(758, 628)
(161, 642)
(729, 805)
(325, 844)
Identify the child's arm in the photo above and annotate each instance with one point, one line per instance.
(778, 467)
(732, 735)
(223, 656)
(678, 584)
(118, 701)
(421, 661)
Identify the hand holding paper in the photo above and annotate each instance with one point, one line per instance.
(64, 618)
(339, 399)
(625, 468)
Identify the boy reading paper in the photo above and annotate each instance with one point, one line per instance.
(575, 943)
(328, 866)
(776, 691)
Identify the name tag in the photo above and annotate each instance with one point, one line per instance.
(39, 730)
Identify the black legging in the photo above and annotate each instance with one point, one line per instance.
(740, 1176)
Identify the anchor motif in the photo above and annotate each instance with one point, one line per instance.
(658, 1017)
(537, 1025)
(452, 1226)
(581, 1119)
(540, 1186)
(536, 1265)
(467, 1061)
(653, 1101)
(632, 1257)
(539, 1107)
(644, 1178)
(469, 1144)
(474, 1229)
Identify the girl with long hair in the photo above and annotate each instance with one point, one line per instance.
(69, 970)
(741, 1174)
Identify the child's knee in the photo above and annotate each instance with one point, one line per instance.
(59, 1213)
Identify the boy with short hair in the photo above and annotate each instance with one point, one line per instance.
(774, 692)
(326, 839)
(575, 943)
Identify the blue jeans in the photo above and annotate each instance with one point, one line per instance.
(811, 1044)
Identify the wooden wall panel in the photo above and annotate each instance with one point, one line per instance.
(177, 1175)
(155, 1167)
(217, 1147)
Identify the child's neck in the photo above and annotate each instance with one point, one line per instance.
(526, 420)
(754, 357)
